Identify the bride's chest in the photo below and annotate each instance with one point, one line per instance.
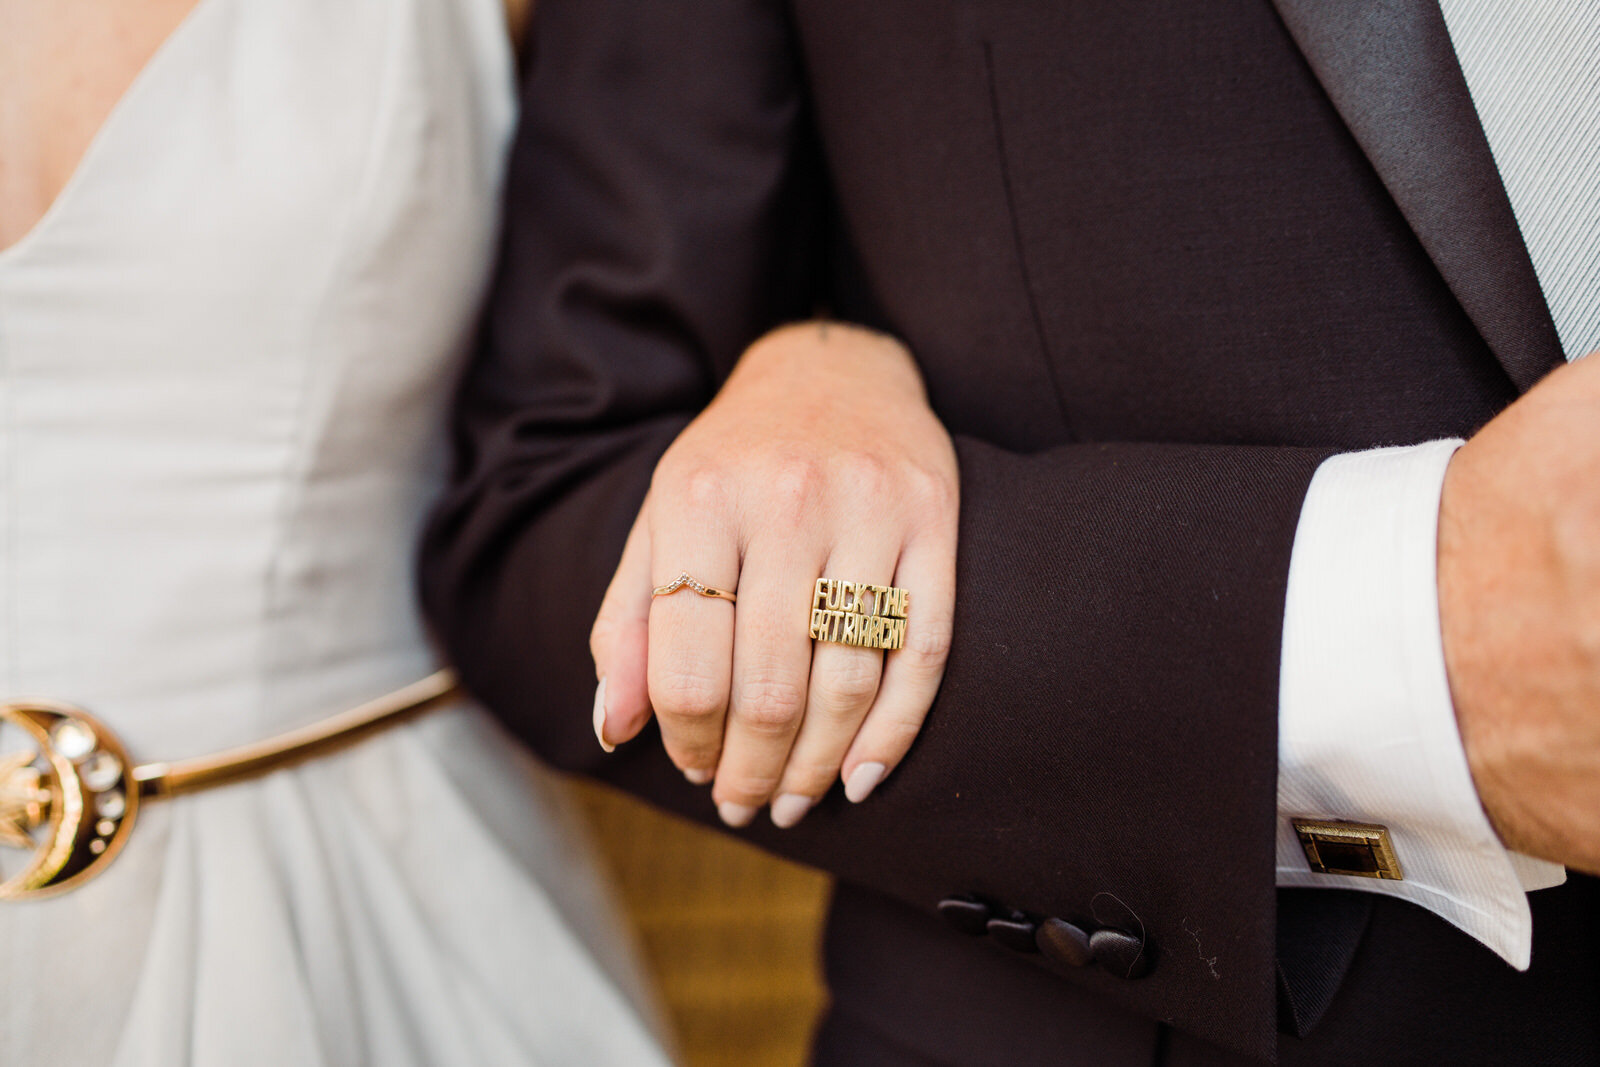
(63, 67)
(287, 212)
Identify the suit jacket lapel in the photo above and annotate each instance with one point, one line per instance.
(1390, 69)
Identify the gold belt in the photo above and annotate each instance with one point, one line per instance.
(72, 801)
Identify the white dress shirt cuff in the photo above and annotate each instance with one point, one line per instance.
(1367, 731)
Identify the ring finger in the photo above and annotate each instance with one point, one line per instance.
(844, 683)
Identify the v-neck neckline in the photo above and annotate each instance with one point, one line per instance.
(115, 118)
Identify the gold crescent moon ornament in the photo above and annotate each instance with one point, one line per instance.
(69, 802)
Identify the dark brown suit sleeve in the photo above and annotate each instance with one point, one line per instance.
(1104, 746)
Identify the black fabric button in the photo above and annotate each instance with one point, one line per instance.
(1121, 953)
(967, 915)
(1064, 943)
(1014, 931)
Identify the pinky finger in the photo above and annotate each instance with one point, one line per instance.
(911, 675)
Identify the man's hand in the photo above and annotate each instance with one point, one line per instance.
(819, 458)
(1519, 602)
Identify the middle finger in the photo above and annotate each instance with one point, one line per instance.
(771, 663)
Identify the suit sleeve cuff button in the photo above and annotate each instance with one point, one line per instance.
(1063, 943)
(969, 916)
(1121, 953)
(1015, 931)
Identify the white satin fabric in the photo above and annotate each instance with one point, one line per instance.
(225, 357)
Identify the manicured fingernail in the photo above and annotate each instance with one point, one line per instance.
(600, 717)
(697, 776)
(736, 815)
(863, 780)
(789, 808)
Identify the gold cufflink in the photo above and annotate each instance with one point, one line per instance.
(1355, 848)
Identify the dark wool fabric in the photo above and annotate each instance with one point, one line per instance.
(1157, 259)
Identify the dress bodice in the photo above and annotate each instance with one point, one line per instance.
(226, 352)
(224, 357)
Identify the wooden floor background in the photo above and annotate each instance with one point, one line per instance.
(730, 933)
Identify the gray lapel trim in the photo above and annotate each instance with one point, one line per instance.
(1390, 70)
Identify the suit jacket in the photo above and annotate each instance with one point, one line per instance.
(1157, 260)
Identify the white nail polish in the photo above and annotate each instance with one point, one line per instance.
(789, 808)
(863, 780)
(736, 815)
(698, 777)
(600, 716)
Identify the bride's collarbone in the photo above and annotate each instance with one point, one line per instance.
(65, 65)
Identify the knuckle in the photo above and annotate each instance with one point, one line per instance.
(688, 757)
(690, 477)
(770, 705)
(863, 475)
(599, 640)
(893, 738)
(601, 635)
(847, 686)
(793, 486)
(746, 786)
(928, 646)
(811, 776)
(703, 487)
(930, 491)
(685, 694)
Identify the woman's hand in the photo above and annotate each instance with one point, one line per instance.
(819, 458)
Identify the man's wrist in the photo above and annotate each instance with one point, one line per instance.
(1461, 589)
(1367, 727)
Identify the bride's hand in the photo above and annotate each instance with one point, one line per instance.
(819, 458)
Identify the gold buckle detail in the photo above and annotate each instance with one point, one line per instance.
(1353, 848)
(69, 801)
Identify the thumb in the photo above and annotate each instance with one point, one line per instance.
(619, 642)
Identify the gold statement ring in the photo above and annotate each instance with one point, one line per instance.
(687, 581)
(69, 801)
(855, 613)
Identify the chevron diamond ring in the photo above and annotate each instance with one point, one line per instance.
(687, 581)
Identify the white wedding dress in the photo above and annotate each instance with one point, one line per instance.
(226, 354)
